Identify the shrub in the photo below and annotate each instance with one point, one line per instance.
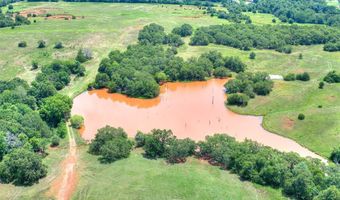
(321, 85)
(77, 121)
(285, 49)
(237, 99)
(41, 44)
(274, 20)
(335, 155)
(58, 45)
(156, 142)
(140, 139)
(289, 77)
(263, 87)
(10, 7)
(303, 77)
(183, 31)
(35, 65)
(61, 130)
(332, 77)
(300, 56)
(179, 149)
(111, 144)
(22, 44)
(252, 55)
(84, 55)
(301, 116)
(234, 64)
(221, 72)
(55, 141)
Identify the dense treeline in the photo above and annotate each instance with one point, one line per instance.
(139, 70)
(6, 2)
(247, 85)
(27, 125)
(180, 2)
(246, 36)
(300, 11)
(300, 178)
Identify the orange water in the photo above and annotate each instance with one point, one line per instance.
(193, 110)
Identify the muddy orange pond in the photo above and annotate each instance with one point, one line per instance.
(193, 110)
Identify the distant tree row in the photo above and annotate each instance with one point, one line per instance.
(279, 37)
(179, 2)
(234, 13)
(300, 11)
(247, 85)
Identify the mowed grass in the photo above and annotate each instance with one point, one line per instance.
(140, 178)
(40, 190)
(320, 131)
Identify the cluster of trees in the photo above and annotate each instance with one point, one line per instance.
(300, 11)
(279, 37)
(10, 19)
(301, 77)
(163, 144)
(55, 76)
(234, 13)
(27, 125)
(247, 85)
(332, 46)
(139, 70)
(153, 34)
(179, 2)
(111, 144)
(332, 77)
(300, 178)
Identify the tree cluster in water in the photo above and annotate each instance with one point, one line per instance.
(279, 37)
(139, 70)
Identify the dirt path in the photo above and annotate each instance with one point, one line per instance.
(63, 186)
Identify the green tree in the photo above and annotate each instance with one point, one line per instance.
(237, 99)
(41, 44)
(22, 167)
(183, 31)
(156, 142)
(179, 149)
(331, 193)
(58, 45)
(335, 155)
(55, 109)
(140, 139)
(115, 149)
(221, 72)
(77, 121)
(252, 55)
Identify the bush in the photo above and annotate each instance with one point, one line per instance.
(58, 45)
(303, 77)
(252, 55)
(179, 149)
(237, 99)
(285, 49)
(35, 65)
(335, 155)
(140, 139)
(332, 77)
(221, 72)
(61, 130)
(234, 64)
(41, 44)
(77, 121)
(183, 31)
(22, 44)
(84, 55)
(289, 77)
(116, 149)
(22, 167)
(301, 116)
(10, 7)
(321, 85)
(263, 87)
(156, 142)
(111, 144)
(300, 56)
(55, 141)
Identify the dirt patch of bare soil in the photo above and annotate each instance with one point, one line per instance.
(36, 11)
(288, 123)
(62, 16)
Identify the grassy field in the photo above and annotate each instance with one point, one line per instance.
(320, 131)
(140, 178)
